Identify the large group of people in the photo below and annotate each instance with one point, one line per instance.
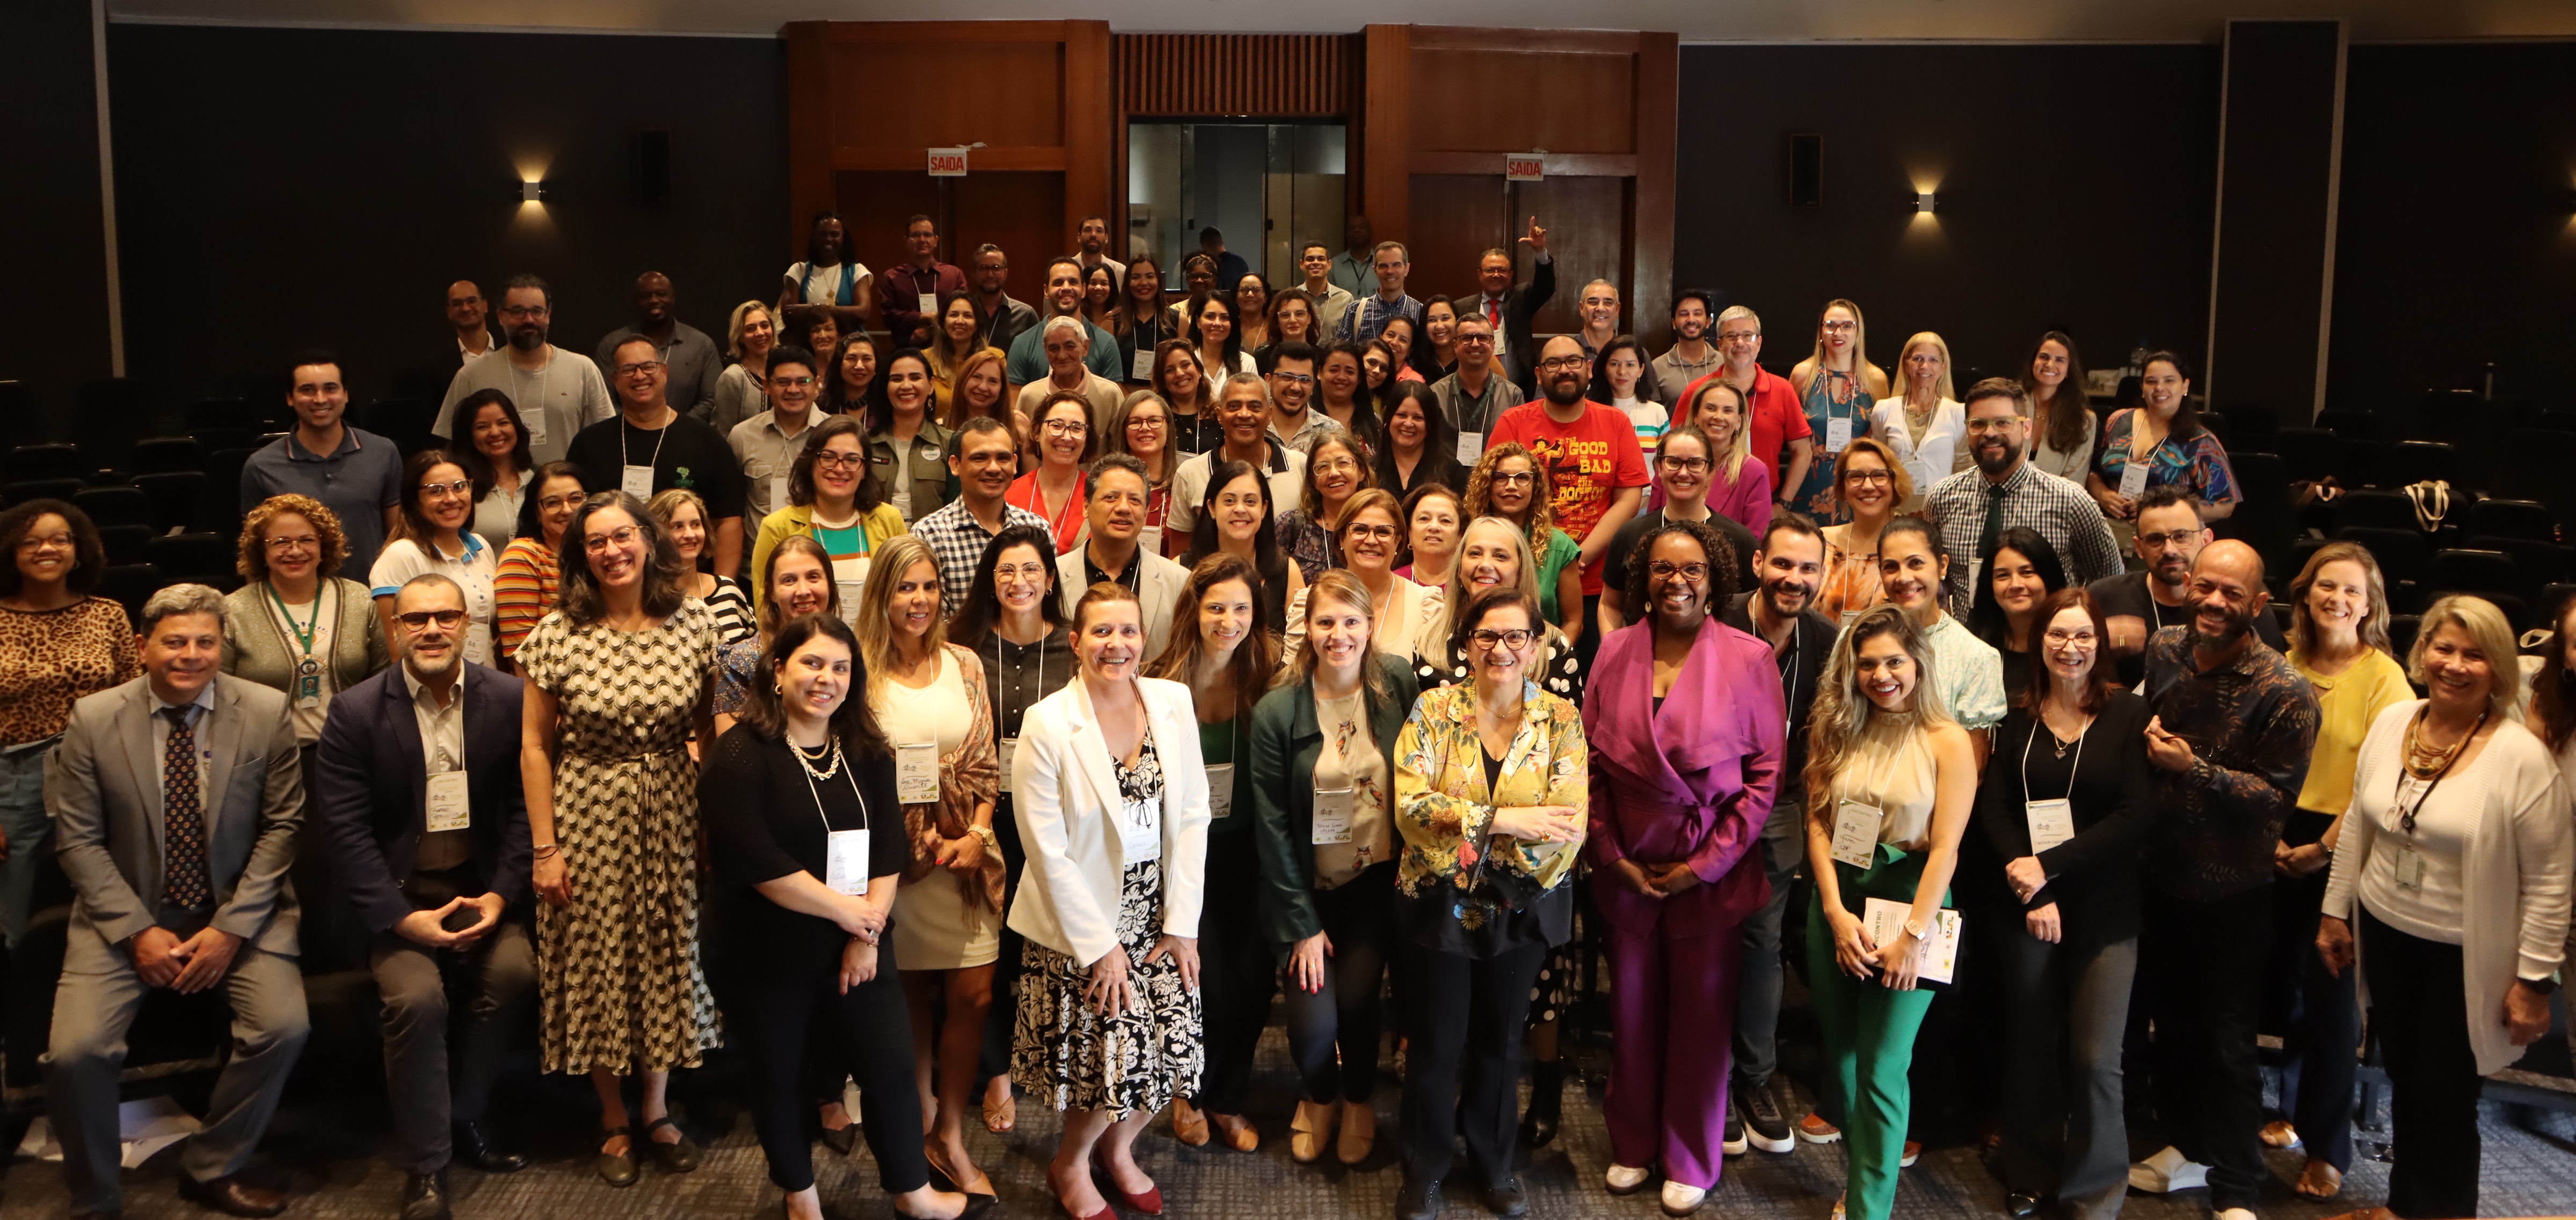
(1141, 662)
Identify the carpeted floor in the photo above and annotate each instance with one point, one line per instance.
(323, 1150)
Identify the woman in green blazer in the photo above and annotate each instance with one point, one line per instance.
(1323, 783)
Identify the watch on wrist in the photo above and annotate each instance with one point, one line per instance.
(2541, 986)
(1914, 928)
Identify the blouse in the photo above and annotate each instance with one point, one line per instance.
(764, 822)
(734, 619)
(1409, 617)
(1939, 452)
(1445, 806)
(1561, 552)
(1067, 522)
(1850, 583)
(1890, 766)
(1305, 541)
(525, 587)
(2347, 704)
(51, 659)
(1350, 762)
(2197, 462)
(496, 515)
(740, 394)
(404, 558)
(2092, 877)
(951, 716)
(1970, 672)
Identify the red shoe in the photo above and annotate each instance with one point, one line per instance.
(1105, 1213)
(1149, 1203)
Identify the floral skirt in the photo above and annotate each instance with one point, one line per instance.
(1065, 1051)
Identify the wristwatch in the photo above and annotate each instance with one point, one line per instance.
(1914, 928)
(991, 843)
(2542, 986)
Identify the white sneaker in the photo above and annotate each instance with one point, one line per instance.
(2168, 1171)
(2237, 1213)
(1623, 1180)
(1682, 1200)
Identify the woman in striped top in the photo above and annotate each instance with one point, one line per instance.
(685, 515)
(523, 584)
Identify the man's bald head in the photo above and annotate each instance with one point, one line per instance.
(2226, 594)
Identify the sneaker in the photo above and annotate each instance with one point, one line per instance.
(2237, 1213)
(2168, 1171)
(1734, 1145)
(1623, 1180)
(1815, 1130)
(1766, 1127)
(1913, 1153)
(1681, 1200)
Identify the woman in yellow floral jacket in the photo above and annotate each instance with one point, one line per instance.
(1490, 789)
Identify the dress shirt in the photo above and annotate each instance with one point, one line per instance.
(1366, 317)
(198, 709)
(957, 541)
(442, 749)
(2057, 510)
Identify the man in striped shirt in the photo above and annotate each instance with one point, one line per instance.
(1971, 508)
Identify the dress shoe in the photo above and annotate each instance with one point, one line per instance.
(1189, 1125)
(1504, 1197)
(1681, 1198)
(841, 1139)
(1417, 1200)
(425, 1196)
(1547, 1103)
(1311, 1131)
(2020, 1204)
(616, 1168)
(232, 1196)
(678, 1156)
(2318, 1181)
(1146, 1202)
(481, 1147)
(1233, 1131)
(2168, 1171)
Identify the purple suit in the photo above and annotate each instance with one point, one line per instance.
(1690, 784)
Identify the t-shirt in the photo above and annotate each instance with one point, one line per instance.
(2126, 594)
(1587, 462)
(357, 482)
(687, 454)
(555, 402)
(1028, 359)
(1649, 419)
(1777, 420)
(473, 572)
(1625, 544)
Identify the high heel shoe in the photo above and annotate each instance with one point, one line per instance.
(940, 1173)
(1150, 1203)
(1106, 1212)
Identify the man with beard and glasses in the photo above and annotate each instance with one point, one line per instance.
(416, 789)
(689, 355)
(2136, 605)
(1780, 610)
(1595, 470)
(649, 448)
(2230, 740)
(558, 393)
(1974, 507)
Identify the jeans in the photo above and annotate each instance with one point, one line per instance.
(2065, 1134)
(2317, 1014)
(1764, 972)
(30, 831)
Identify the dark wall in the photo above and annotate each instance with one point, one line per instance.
(284, 187)
(2075, 189)
(2272, 217)
(54, 336)
(2457, 242)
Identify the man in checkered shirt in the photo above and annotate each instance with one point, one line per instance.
(1973, 506)
(1367, 316)
(985, 462)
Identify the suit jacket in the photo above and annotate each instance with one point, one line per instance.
(1286, 742)
(1520, 304)
(103, 790)
(370, 788)
(1691, 784)
(1160, 588)
(1065, 798)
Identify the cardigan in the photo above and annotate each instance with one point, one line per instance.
(1285, 742)
(881, 523)
(2093, 877)
(256, 649)
(2514, 869)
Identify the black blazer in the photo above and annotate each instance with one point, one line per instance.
(2093, 877)
(370, 790)
(1520, 304)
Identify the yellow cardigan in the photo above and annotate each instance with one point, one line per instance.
(881, 522)
(1443, 808)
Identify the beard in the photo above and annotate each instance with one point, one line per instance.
(1564, 390)
(2226, 637)
(528, 337)
(424, 667)
(1777, 596)
(1995, 463)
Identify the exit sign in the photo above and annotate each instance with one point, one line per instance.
(1524, 167)
(948, 163)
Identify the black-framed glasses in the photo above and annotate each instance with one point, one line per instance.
(1516, 638)
(419, 620)
(1870, 478)
(838, 460)
(1382, 533)
(1684, 465)
(1554, 363)
(1067, 427)
(1662, 569)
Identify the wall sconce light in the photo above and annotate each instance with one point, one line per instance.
(1924, 201)
(531, 192)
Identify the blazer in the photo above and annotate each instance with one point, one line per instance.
(1690, 784)
(1286, 741)
(1520, 304)
(1065, 801)
(258, 650)
(1161, 586)
(370, 787)
(103, 791)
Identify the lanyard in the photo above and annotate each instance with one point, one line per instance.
(312, 626)
(2038, 725)
(660, 434)
(850, 773)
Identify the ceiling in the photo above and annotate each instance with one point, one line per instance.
(1694, 20)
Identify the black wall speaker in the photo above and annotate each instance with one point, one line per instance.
(1806, 169)
(653, 164)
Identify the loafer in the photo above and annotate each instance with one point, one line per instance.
(232, 1196)
(1359, 1132)
(1505, 1197)
(2168, 1171)
(2020, 1204)
(679, 1156)
(617, 1168)
(424, 1196)
(1311, 1131)
(1417, 1200)
(481, 1147)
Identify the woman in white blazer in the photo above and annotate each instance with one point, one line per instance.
(2456, 850)
(1113, 811)
(1923, 422)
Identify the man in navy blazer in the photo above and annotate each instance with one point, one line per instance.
(416, 786)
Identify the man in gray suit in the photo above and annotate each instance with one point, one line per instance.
(176, 799)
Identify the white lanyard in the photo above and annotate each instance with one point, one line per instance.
(2039, 724)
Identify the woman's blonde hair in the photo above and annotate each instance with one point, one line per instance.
(1343, 587)
(1860, 339)
(1898, 477)
(1456, 594)
(2490, 634)
(1842, 713)
(742, 318)
(1944, 388)
(2374, 621)
(875, 614)
(665, 507)
(1114, 435)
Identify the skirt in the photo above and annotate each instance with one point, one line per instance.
(1066, 1052)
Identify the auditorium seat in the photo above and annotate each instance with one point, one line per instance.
(2266, 517)
(130, 585)
(224, 413)
(2310, 452)
(2536, 564)
(2539, 464)
(174, 495)
(30, 463)
(219, 510)
(2425, 461)
(206, 559)
(2368, 509)
(2550, 601)
(2481, 572)
(41, 489)
(2500, 518)
(2360, 462)
(2403, 554)
(119, 505)
(2349, 424)
(164, 454)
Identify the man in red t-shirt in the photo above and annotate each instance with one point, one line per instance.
(1596, 474)
(1778, 432)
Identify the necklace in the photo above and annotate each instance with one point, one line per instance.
(830, 749)
(2425, 761)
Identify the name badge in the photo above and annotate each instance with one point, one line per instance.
(845, 866)
(916, 773)
(2133, 480)
(1332, 815)
(1142, 367)
(1220, 790)
(536, 423)
(777, 492)
(1151, 539)
(929, 303)
(2410, 868)
(1140, 831)
(308, 684)
(850, 578)
(1008, 748)
(637, 481)
(448, 808)
(1471, 446)
(1838, 434)
(2051, 823)
(1856, 833)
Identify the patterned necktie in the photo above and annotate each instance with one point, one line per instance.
(1994, 520)
(183, 817)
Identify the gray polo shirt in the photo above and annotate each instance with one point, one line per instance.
(690, 359)
(357, 482)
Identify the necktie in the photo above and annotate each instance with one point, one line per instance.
(1994, 521)
(1494, 314)
(183, 817)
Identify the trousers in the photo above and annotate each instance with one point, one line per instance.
(30, 830)
(1333, 1031)
(2065, 1134)
(448, 1019)
(1869, 1040)
(1672, 1000)
(868, 1029)
(1462, 1067)
(1236, 973)
(2317, 1014)
(1764, 972)
(2204, 963)
(2420, 1011)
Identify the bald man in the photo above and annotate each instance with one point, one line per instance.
(470, 316)
(690, 361)
(2229, 744)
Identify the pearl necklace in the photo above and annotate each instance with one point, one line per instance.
(830, 749)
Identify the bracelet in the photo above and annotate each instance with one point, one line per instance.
(549, 851)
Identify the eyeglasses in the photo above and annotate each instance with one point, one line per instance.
(1554, 363)
(624, 535)
(419, 620)
(1031, 572)
(2160, 541)
(1978, 427)
(552, 503)
(60, 542)
(639, 367)
(791, 383)
(1341, 465)
(1294, 378)
(1870, 478)
(1067, 427)
(1483, 336)
(1517, 478)
(839, 460)
(457, 488)
(1665, 570)
(523, 312)
(1150, 423)
(1839, 327)
(1737, 336)
(283, 545)
(2079, 639)
(1515, 639)
(1383, 533)
(1684, 465)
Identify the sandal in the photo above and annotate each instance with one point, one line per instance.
(617, 1168)
(677, 1156)
(2277, 1134)
(2319, 1181)
(1002, 1117)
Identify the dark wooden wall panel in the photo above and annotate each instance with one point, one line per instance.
(1249, 75)
(1514, 101)
(1589, 235)
(1456, 218)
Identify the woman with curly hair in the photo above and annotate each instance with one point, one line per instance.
(296, 627)
(1511, 484)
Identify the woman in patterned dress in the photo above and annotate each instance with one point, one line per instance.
(1113, 808)
(1838, 386)
(617, 677)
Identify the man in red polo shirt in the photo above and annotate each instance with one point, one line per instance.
(1778, 433)
(1596, 474)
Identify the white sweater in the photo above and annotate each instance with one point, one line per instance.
(2514, 865)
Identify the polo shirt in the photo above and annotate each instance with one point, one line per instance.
(357, 482)
(1355, 273)
(1028, 361)
(765, 454)
(1670, 371)
(691, 363)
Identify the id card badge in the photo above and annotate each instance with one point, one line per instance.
(637, 481)
(2051, 823)
(1856, 833)
(777, 492)
(1140, 830)
(1838, 434)
(535, 421)
(448, 808)
(916, 773)
(1142, 367)
(2410, 868)
(1151, 539)
(845, 866)
(850, 578)
(1008, 748)
(929, 302)
(1332, 815)
(1471, 446)
(308, 684)
(2133, 480)
(1220, 777)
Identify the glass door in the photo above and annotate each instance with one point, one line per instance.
(1256, 191)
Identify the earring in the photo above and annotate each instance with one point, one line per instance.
(777, 688)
